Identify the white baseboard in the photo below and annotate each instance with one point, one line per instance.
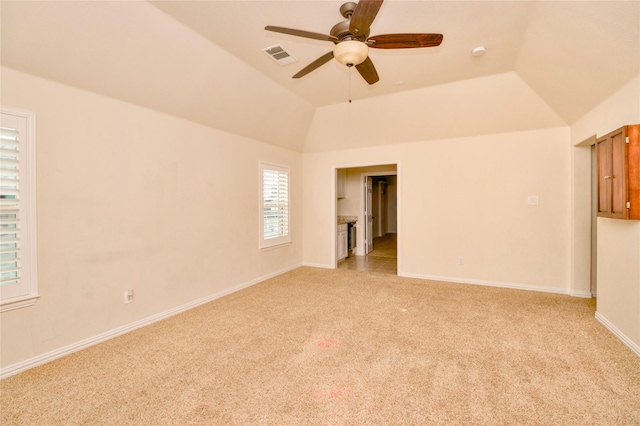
(583, 294)
(619, 334)
(318, 265)
(557, 290)
(83, 344)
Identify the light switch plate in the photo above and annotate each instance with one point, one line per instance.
(532, 200)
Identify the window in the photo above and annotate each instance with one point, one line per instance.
(274, 205)
(18, 269)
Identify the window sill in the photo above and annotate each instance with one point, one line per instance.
(18, 302)
(276, 246)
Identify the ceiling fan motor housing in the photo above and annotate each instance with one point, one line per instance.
(342, 32)
(347, 9)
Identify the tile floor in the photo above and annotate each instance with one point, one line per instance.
(383, 261)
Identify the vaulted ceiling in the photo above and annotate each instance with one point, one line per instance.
(202, 60)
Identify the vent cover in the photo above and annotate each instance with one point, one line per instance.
(278, 54)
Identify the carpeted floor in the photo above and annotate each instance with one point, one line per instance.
(337, 347)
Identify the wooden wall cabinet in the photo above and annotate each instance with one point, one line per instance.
(618, 170)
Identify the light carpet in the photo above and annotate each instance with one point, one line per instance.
(329, 347)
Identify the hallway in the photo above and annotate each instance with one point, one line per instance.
(383, 258)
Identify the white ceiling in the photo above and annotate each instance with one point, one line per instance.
(239, 28)
(202, 60)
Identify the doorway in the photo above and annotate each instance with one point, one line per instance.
(373, 197)
(584, 260)
(381, 209)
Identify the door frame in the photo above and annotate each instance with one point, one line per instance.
(360, 248)
(359, 239)
(367, 213)
(583, 272)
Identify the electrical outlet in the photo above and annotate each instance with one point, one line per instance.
(460, 260)
(128, 296)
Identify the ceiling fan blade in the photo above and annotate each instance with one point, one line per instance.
(315, 64)
(301, 33)
(404, 41)
(368, 71)
(363, 16)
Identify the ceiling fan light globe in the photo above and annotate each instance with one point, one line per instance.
(351, 52)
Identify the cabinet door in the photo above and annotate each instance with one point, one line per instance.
(618, 163)
(341, 241)
(618, 175)
(603, 164)
(342, 245)
(612, 175)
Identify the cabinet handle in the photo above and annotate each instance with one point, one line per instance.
(607, 177)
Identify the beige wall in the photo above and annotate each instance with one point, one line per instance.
(464, 197)
(619, 276)
(481, 106)
(618, 251)
(132, 198)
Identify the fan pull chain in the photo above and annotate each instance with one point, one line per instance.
(350, 66)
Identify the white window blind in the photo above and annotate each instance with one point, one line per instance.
(9, 178)
(18, 285)
(274, 227)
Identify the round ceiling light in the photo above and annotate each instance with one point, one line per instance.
(351, 52)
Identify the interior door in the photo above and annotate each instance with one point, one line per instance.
(369, 215)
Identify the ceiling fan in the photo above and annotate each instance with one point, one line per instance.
(352, 41)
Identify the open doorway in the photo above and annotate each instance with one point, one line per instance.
(381, 208)
(584, 266)
(371, 197)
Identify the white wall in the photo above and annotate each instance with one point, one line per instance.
(132, 198)
(464, 197)
(618, 251)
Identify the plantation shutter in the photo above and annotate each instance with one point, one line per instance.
(276, 203)
(18, 245)
(274, 226)
(9, 207)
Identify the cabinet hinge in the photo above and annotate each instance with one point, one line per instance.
(628, 204)
(626, 139)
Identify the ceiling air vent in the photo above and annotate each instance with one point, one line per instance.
(278, 54)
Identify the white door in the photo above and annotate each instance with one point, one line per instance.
(369, 217)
